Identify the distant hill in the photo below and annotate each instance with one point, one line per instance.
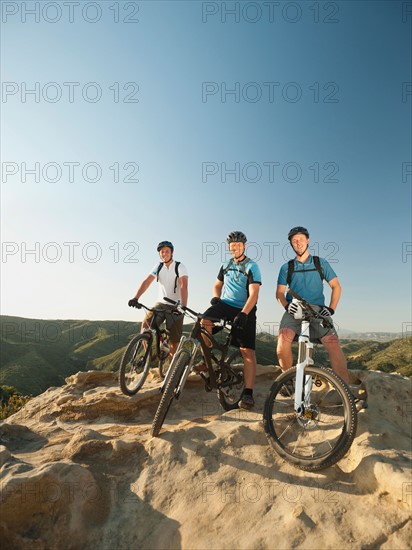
(378, 336)
(36, 354)
(395, 356)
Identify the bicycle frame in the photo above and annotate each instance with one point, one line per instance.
(196, 341)
(154, 329)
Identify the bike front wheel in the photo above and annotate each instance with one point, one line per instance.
(169, 392)
(322, 431)
(135, 364)
(231, 383)
(164, 362)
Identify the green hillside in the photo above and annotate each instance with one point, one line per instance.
(36, 354)
(396, 356)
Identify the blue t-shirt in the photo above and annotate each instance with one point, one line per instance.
(236, 284)
(306, 280)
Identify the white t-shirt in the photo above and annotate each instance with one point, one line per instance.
(167, 279)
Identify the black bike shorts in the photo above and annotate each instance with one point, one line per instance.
(241, 338)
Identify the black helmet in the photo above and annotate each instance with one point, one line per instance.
(165, 243)
(236, 237)
(296, 230)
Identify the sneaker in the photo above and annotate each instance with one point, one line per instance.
(246, 402)
(360, 396)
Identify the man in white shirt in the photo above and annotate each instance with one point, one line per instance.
(173, 283)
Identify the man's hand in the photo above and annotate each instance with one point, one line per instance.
(176, 315)
(326, 311)
(240, 321)
(295, 310)
(291, 308)
(215, 300)
(134, 303)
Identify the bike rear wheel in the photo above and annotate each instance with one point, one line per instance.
(232, 383)
(169, 392)
(319, 435)
(135, 364)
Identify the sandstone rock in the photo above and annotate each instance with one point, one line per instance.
(80, 470)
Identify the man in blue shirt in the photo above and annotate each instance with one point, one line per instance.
(307, 281)
(235, 295)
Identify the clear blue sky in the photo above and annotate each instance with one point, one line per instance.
(317, 130)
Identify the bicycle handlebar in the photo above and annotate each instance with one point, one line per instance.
(304, 302)
(185, 309)
(307, 306)
(143, 306)
(153, 309)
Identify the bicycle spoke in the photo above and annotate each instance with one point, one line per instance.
(134, 365)
(298, 439)
(287, 428)
(320, 433)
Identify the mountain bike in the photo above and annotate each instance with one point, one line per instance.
(310, 415)
(221, 371)
(138, 355)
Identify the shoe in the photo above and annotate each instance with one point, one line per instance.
(246, 402)
(360, 396)
(138, 366)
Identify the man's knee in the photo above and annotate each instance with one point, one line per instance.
(285, 340)
(331, 341)
(248, 353)
(207, 324)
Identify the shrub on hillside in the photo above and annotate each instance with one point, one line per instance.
(11, 401)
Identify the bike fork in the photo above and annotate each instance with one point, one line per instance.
(187, 370)
(196, 346)
(303, 387)
(172, 364)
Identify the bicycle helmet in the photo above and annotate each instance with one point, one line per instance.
(236, 237)
(296, 230)
(165, 243)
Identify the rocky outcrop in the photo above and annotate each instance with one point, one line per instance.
(79, 469)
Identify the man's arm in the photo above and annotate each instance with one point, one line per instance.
(184, 291)
(144, 286)
(280, 295)
(253, 298)
(217, 288)
(336, 292)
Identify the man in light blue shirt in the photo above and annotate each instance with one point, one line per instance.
(306, 276)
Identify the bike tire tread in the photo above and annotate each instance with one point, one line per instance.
(344, 443)
(124, 361)
(168, 394)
